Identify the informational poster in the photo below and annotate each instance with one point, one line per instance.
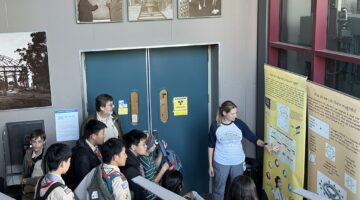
(180, 106)
(123, 108)
(285, 127)
(67, 125)
(333, 143)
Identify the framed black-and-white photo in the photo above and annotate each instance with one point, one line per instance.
(199, 8)
(94, 11)
(24, 71)
(141, 10)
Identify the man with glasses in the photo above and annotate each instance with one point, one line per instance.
(135, 143)
(104, 112)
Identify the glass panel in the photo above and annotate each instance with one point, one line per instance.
(343, 32)
(295, 62)
(343, 76)
(296, 22)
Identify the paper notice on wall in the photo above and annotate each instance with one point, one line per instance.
(333, 143)
(123, 108)
(180, 106)
(67, 125)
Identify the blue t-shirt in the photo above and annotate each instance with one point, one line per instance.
(226, 139)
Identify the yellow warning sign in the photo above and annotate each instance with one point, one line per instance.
(180, 106)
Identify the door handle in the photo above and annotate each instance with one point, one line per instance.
(164, 108)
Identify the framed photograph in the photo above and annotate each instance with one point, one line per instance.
(199, 8)
(24, 71)
(142, 10)
(94, 11)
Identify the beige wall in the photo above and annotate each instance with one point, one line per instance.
(235, 31)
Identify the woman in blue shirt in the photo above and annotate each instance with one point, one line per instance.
(225, 153)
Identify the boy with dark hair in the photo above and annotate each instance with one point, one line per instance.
(86, 152)
(32, 158)
(52, 186)
(104, 105)
(135, 146)
(151, 164)
(106, 181)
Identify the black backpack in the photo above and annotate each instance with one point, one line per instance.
(52, 187)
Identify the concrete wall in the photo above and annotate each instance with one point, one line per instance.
(235, 30)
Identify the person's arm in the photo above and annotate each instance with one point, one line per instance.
(268, 147)
(162, 171)
(211, 146)
(248, 134)
(210, 159)
(158, 159)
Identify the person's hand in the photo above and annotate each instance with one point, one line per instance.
(165, 166)
(189, 195)
(211, 171)
(271, 148)
(96, 7)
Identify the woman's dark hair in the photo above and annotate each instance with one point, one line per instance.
(243, 188)
(134, 137)
(226, 107)
(55, 154)
(110, 148)
(173, 180)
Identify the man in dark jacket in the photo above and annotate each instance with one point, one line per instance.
(135, 142)
(86, 154)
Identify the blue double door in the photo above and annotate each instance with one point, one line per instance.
(182, 72)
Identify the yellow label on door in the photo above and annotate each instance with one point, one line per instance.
(180, 106)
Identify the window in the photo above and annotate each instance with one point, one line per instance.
(319, 39)
(296, 22)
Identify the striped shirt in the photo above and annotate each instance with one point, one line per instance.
(148, 162)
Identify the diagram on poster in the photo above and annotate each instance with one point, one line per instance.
(350, 183)
(287, 146)
(330, 152)
(328, 188)
(283, 114)
(318, 126)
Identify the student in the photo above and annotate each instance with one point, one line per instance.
(104, 105)
(243, 188)
(135, 146)
(52, 186)
(32, 158)
(86, 152)
(106, 180)
(151, 164)
(173, 180)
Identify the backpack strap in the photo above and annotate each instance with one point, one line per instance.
(108, 179)
(47, 193)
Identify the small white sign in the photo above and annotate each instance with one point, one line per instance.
(67, 125)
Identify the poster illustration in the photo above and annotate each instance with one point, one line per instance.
(285, 127)
(333, 143)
